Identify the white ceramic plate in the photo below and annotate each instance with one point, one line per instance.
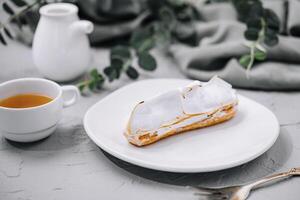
(248, 135)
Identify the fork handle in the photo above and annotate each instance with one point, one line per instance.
(291, 172)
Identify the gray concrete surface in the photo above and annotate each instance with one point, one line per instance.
(68, 165)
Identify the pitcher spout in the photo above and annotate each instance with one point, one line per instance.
(82, 27)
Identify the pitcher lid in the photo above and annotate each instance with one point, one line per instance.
(58, 9)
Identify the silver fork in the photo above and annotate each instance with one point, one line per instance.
(241, 192)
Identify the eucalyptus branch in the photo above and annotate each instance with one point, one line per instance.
(24, 10)
(262, 30)
(257, 52)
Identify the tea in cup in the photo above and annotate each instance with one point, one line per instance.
(30, 108)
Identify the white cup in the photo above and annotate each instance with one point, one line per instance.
(34, 123)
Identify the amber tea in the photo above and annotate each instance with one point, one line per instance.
(24, 101)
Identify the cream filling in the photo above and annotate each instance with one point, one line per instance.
(176, 126)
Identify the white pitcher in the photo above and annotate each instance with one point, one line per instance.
(61, 49)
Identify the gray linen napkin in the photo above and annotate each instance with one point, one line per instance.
(222, 43)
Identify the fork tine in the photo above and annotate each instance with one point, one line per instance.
(207, 190)
(217, 195)
(220, 197)
(212, 197)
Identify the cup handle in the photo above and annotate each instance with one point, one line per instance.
(75, 96)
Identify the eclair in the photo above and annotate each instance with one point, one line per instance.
(197, 105)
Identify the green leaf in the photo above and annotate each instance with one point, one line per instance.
(120, 52)
(81, 87)
(256, 9)
(100, 81)
(245, 60)
(271, 38)
(7, 32)
(111, 73)
(92, 85)
(272, 19)
(19, 3)
(94, 73)
(146, 61)
(132, 73)
(7, 8)
(248, 9)
(254, 23)
(118, 65)
(146, 45)
(142, 40)
(139, 36)
(2, 40)
(251, 34)
(97, 78)
(260, 55)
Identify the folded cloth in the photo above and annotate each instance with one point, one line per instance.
(222, 44)
(112, 18)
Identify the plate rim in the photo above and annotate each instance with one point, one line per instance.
(174, 169)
